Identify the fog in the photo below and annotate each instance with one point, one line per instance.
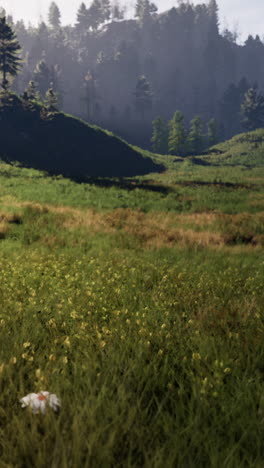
(241, 14)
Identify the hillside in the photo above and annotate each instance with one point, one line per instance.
(62, 144)
(245, 149)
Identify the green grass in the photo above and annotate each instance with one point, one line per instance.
(244, 149)
(139, 302)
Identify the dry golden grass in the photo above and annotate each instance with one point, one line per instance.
(257, 203)
(6, 219)
(89, 219)
(157, 229)
(4, 228)
(150, 230)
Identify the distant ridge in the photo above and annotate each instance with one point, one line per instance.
(62, 144)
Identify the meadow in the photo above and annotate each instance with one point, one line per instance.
(139, 302)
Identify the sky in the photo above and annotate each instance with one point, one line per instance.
(244, 15)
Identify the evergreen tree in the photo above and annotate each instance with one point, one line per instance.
(252, 110)
(9, 50)
(83, 22)
(212, 57)
(195, 139)
(212, 132)
(230, 107)
(99, 11)
(160, 136)
(144, 9)
(31, 90)
(51, 100)
(42, 77)
(54, 16)
(56, 83)
(213, 17)
(88, 98)
(143, 96)
(177, 135)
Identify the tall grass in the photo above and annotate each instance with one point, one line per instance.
(153, 343)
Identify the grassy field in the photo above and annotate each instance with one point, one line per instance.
(139, 302)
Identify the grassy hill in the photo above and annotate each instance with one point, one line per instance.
(246, 149)
(139, 302)
(62, 144)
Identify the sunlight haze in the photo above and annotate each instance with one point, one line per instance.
(239, 14)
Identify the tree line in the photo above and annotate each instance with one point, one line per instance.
(175, 138)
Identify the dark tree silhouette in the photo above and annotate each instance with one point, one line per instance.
(54, 16)
(10, 62)
(82, 24)
(145, 9)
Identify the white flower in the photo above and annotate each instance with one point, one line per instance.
(38, 401)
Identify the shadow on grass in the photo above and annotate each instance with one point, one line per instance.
(216, 183)
(128, 184)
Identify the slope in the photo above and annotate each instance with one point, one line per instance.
(245, 149)
(62, 144)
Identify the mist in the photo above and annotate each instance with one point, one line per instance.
(245, 16)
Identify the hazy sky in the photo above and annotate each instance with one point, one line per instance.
(247, 15)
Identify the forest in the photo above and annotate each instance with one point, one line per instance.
(123, 74)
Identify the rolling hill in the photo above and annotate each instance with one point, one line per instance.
(62, 144)
(245, 149)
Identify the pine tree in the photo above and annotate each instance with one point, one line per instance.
(9, 50)
(230, 107)
(252, 110)
(83, 23)
(177, 135)
(213, 132)
(42, 77)
(96, 14)
(195, 139)
(160, 136)
(54, 16)
(145, 9)
(56, 83)
(88, 98)
(213, 17)
(143, 96)
(51, 100)
(31, 90)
